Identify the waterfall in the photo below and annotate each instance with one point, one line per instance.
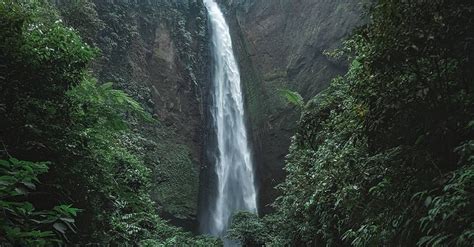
(233, 163)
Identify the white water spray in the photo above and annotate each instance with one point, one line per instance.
(233, 163)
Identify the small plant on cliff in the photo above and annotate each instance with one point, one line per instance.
(292, 97)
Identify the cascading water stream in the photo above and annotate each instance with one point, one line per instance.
(233, 163)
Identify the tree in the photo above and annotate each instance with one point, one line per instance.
(381, 157)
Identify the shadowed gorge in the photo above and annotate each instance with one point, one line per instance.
(237, 123)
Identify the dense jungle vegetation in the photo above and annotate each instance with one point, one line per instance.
(72, 169)
(383, 157)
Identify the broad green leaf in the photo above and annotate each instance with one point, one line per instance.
(292, 97)
(60, 227)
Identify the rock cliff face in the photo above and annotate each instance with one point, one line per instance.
(157, 51)
(280, 45)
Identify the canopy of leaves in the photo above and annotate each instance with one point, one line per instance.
(20, 222)
(384, 156)
(53, 109)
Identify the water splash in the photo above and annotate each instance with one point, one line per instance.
(233, 164)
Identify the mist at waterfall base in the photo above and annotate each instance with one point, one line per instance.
(234, 188)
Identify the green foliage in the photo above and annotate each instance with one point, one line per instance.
(20, 222)
(123, 33)
(34, 102)
(248, 229)
(449, 218)
(383, 157)
(178, 194)
(292, 97)
(33, 106)
(103, 106)
(82, 15)
(57, 111)
(178, 238)
(107, 171)
(269, 230)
